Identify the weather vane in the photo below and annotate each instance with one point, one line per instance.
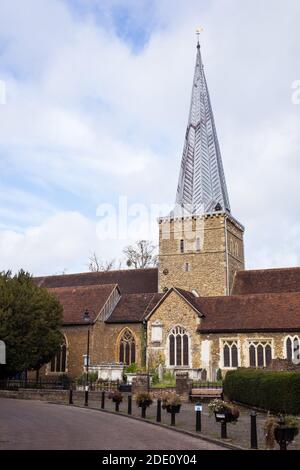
(198, 32)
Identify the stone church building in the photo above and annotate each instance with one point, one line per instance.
(200, 310)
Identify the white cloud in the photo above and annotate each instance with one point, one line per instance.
(88, 119)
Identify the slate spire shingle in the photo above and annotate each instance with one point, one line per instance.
(202, 185)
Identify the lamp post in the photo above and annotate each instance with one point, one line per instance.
(86, 317)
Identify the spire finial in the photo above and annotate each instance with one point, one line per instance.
(198, 32)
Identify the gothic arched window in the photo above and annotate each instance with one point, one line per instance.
(260, 353)
(178, 347)
(127, 348)
(59, 361)
(292, 348)
(230, 354)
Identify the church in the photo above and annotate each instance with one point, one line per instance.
(200, 311)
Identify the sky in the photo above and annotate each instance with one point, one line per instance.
(96, 104)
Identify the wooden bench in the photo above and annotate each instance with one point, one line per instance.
(198, 393)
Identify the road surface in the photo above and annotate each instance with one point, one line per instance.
(36, 425)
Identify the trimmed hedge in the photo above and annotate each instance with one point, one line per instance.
(274, 391)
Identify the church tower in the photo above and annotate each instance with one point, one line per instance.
(200, 243)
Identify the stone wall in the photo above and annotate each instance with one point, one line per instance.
(215, 340)
(104, 346)
(221, 242)
(140, 384)
(174, 311)
(106, 342)
(57, 396)
(183, 386)
(283, 365)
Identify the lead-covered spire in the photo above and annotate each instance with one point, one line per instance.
(202, 186)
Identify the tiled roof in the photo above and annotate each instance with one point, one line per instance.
(129, 281)
(133, 308)
(75, 300)
(250, 313)
(266, 281)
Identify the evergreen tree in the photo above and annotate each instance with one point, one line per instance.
(30, 322)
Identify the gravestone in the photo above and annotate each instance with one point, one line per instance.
(160, 371)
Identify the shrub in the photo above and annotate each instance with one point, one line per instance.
(131, 369)
(81, 380)
(274, 391)
(219, 375)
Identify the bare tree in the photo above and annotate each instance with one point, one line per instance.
(141, 255)
(97, 265)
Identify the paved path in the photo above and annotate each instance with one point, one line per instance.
(41, 425)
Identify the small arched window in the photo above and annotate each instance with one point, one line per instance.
(178, 347)
(292, 349)
(260, 353)
(127, 348)
(59, 361)
(230, 354)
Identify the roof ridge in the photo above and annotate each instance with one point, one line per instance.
(93, 286)
(267, 269)
(94, 273)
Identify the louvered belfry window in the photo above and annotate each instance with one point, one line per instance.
(127, 348)
(178, 347)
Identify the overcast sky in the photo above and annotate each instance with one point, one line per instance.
(97, 101)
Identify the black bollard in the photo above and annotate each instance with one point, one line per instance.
(173, 422)
(117, 406)
(71, 396)
(103, 400)
(223, 429)
(144, 411)
(129, 404)
(158, 411)
(86, 396)
(198, 409)
(253, 415)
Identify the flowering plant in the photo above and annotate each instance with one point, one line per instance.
(144, 399)
(220, 406)
(170, 399)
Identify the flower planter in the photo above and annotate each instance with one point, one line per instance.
(145, 403)
(285, 434)
(117, 400)
(225, 416)
(173, 409)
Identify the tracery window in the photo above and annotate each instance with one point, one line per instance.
(230, 354)
(292, 348)
(59, 361)
(178, 347)
(260, 353)
(127, 348)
